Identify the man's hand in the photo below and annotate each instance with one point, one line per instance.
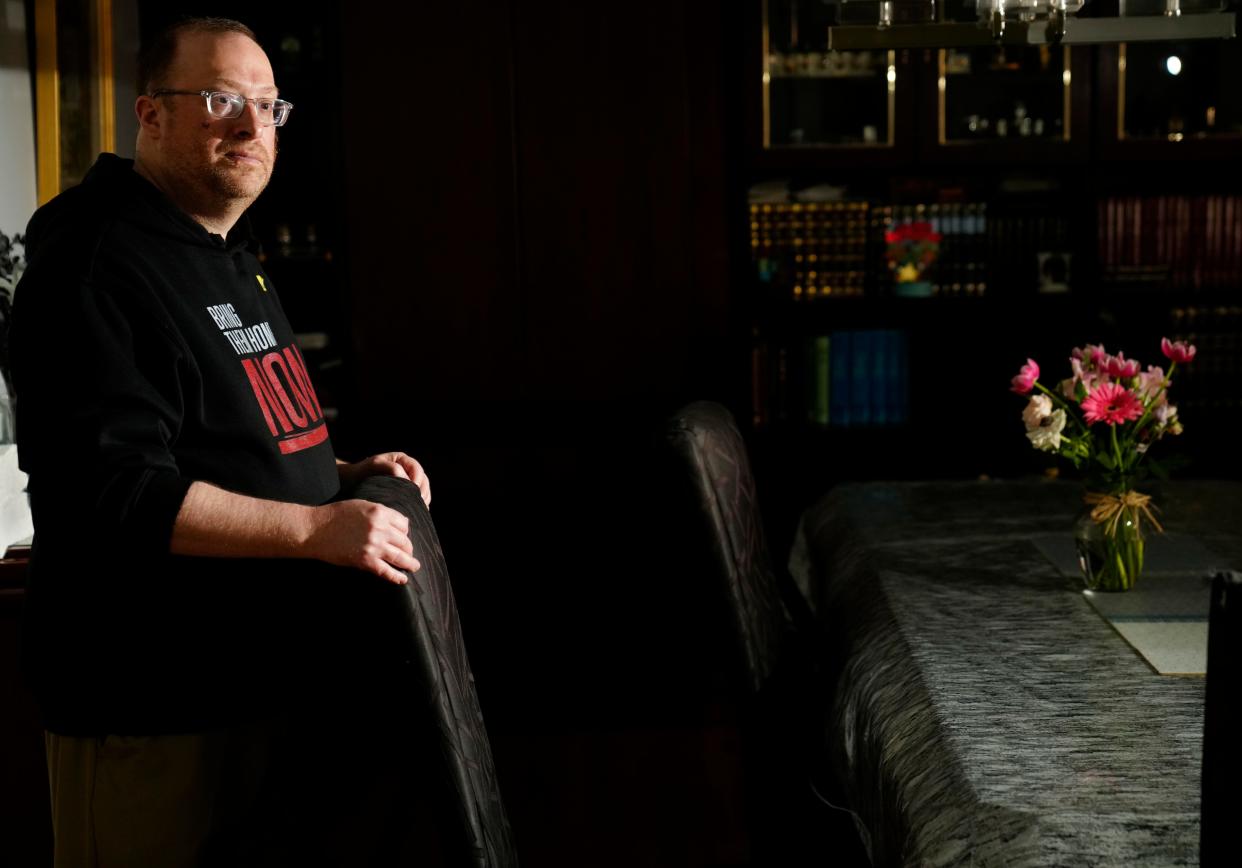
(387, 464)
(213, 522)
(365, 535)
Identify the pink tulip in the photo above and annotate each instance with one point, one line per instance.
(1025, 381)
(1121, 368)
(1179, 352)
(1090, 353)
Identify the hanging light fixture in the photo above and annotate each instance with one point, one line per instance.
(886, 24)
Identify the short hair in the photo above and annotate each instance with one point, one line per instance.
(156, 57)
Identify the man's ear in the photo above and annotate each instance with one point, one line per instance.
(148, 113)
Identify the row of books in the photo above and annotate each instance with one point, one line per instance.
(961, 266)
(852, 378)
(1171, 242)
(810, 250)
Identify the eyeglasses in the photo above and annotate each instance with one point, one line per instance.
(222, 104)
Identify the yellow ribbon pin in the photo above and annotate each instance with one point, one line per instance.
(259, 278)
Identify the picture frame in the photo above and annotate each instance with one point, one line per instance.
(75, 111)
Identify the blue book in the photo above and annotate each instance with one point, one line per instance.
(860, 385)
(840, 379)
(881, 380)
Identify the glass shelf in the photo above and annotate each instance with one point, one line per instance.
(815, 98)
(1175, 91)
(993, 93)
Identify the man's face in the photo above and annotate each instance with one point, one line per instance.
(222, 159)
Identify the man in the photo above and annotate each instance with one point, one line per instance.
(167, 422)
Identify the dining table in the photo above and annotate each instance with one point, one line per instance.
(986, 708)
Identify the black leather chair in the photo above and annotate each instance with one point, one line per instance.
(713, 456)
(1222, 749)
(773, 640)
(430, 634)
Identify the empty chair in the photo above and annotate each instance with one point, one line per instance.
(711, 451)
(775, 652)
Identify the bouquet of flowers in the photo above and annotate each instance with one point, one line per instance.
(911, 249)
(1104, 418)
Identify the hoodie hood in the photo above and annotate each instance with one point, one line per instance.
(112, 192)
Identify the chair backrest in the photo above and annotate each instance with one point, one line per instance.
(710, 448)
(434, 634)
(1222, 724)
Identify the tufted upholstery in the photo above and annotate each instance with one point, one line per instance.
(706, 438)
(438, 657)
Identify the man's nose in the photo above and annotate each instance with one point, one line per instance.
(247, 123)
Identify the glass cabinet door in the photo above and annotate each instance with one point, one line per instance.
(993, 93)
(1176, 91)
(813, 97)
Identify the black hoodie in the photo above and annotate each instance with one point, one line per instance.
(148, 353)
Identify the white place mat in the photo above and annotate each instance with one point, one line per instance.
(1169, 647)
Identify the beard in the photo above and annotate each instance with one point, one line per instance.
(203, 180)
(240, 181)
(234, 182)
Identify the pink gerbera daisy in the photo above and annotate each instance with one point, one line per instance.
(1112, 404)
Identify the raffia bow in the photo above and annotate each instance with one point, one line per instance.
(1107, 509)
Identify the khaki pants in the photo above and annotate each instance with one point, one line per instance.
(338, 785)
(162, 801)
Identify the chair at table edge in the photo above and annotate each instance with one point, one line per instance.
(776, 644)
(709, 447)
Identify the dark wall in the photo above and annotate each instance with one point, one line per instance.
(535, 200)
(536, 273)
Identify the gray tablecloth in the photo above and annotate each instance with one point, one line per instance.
(985, 714)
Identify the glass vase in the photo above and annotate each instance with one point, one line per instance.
(1110, 551)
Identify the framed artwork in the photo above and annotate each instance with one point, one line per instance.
(75, 114)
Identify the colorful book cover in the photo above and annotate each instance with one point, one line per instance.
(822, 415)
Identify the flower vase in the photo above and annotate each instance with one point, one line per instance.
(1109, 538)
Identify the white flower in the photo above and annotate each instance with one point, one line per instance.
(1037, 410)
(1047, 437)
